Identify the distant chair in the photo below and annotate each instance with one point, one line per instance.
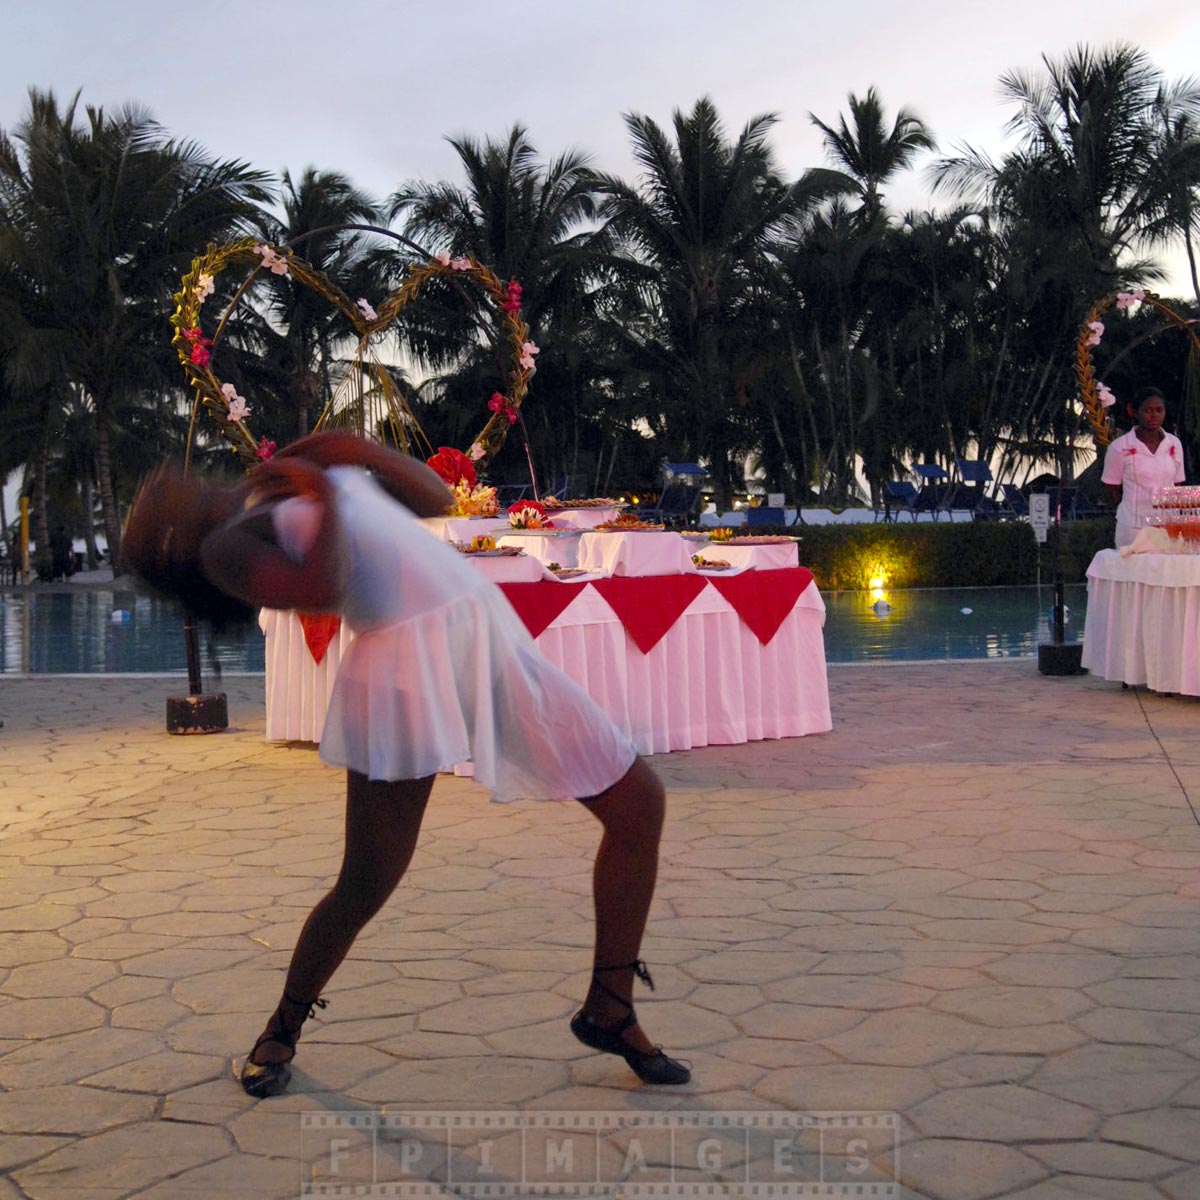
(1013, 504)
(681, 499)
(971, 493)
(756, 518)
(933, 498)
(510, 493)
(677, 504)
(898, 496)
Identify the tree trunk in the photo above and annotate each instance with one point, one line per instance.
(41, 514)
(108, 499)
(89, 520)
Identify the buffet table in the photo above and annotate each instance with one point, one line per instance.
(677, 661)
(1143, 620)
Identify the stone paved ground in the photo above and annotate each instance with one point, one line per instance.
(974, 905)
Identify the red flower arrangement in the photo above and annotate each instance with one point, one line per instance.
(528, 514)
(265, 451)
(512, 300)
(453, 466)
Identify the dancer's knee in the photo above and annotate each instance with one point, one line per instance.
(634, 808)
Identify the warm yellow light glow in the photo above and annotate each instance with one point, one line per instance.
(877, 593)
(877, 581)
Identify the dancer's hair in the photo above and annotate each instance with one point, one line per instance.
(171, 516)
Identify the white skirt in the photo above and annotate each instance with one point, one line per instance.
(465, 681)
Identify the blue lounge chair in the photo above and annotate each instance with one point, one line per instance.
(898, 496)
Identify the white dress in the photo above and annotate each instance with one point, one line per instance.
(442, 670)
(1139, 470)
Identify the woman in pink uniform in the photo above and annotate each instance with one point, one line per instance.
(441, 670)
(1145, 458)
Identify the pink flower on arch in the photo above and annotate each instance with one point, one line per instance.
(271, 260)
(443, 259)
(204, 286)
(528, 350)
(1129, 299)
(1097, 328)
(461, 263)
(365, 308)
(1106, 397)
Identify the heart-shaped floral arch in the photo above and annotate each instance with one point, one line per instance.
(1096, 395)
(230, 411)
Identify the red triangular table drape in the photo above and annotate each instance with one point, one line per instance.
(537, 604)
(763, 599)
(319, 630)
(648, 605)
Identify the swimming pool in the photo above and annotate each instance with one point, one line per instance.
(72, 631)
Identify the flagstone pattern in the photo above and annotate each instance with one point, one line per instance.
(974, 905)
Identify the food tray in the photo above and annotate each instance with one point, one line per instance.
(500, 552)
(760, 539)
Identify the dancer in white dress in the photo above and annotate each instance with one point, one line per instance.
(441, 670)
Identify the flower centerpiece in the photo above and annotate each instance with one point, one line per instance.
(721, 534)
(528, 514)
(477, 501)
(471, 498)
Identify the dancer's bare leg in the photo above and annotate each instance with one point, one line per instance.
(631, 812)
(382, 824)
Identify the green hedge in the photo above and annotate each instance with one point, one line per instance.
(941, 554)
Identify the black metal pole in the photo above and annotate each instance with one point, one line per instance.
(191, 642)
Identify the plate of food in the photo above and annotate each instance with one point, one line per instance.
(485, 547)
(711, 564)
(567, 572)
(760, 539)
(696, 535)
(593, 502)
(550, 533)
(626, 523)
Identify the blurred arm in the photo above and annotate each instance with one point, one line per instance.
(402, 476)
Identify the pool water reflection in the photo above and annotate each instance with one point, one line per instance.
(72, 632)
(945, 623)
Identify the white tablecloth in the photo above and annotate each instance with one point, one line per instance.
(463, 529)
(709, 681)
(771, 557)
(645, 553)
(581, 518)
(548, 546)
(506, 568)
(1143, 620)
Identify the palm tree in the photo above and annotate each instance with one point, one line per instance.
(700, 222)
(869, 152)
(100, 217)
(528, 220)
(297, 338)
(1087, 164)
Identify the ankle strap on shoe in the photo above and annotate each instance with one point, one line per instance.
(638, 967)
(309, 1007)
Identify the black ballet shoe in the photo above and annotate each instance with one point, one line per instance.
(270, 1078)
(649, 1066)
